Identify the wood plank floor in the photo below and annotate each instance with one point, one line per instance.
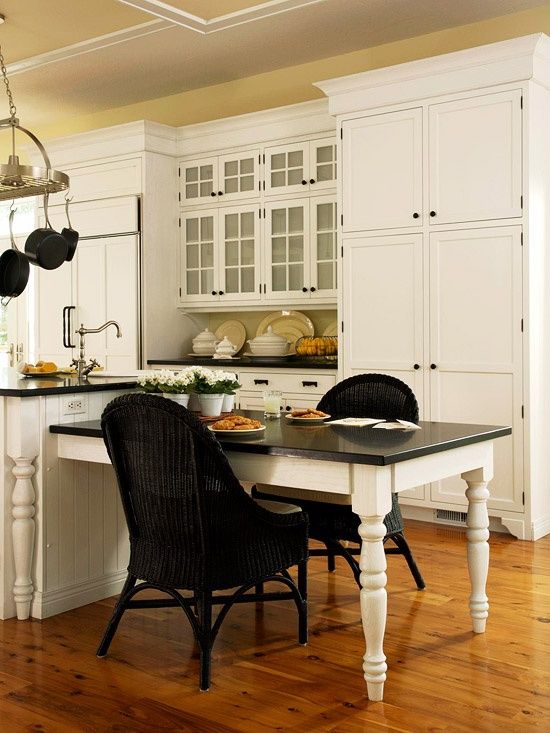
(441, 677)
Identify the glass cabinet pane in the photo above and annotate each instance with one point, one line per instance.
(198, 180)
(238, 175)
(286, 168)
(239, 252)
(325, 244)
(287, 248)
(199, 255)
(324, 162)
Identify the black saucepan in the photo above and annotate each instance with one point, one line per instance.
(14, 268)
(70, 234)
(45, 247)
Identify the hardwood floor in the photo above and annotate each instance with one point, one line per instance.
(441, 677)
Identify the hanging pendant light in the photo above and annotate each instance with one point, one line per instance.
(16, 180)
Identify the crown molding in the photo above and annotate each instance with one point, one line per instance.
(174, 15)
(305, 118)
(515, 60)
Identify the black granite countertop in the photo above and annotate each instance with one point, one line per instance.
(293, 362)
(12, 384)
(335, 442)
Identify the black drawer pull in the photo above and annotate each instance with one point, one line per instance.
(261, 381)
(288, 408)
(309, 384)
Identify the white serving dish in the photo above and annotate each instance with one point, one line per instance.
(269, 344)
(205, 343)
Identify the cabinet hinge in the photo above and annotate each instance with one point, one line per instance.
(341, 133)
(523, 498)
(263, 157)
(521, 238)
(259, 185)
(259, 158)
(264, 288)
(342, 219)
(342, 324)
(264, 213)
(180, 292)
(179, 222)
(260, 288)
(179, 172)
(342, 250)
(179, 196)
(522, 412)
(259, 213)
(522, 325)
(263, 185)
(521, 102)
(521, 201)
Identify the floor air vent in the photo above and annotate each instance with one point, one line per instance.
(449, 517)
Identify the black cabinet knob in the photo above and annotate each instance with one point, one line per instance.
(304, 290)
(214, 292)
(304, 182)
(313, 290)
(288, 408)
(220, 193)
(416, 215)
(417, 366)
(213, 193)
(312, 180)
(220, 292)
(432, 213)
(433, 366)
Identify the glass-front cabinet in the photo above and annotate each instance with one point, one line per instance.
(221, 178)
(220, 255)
(300, 167)
(300, 248)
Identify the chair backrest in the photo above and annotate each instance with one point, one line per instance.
(371, 395)
(177, 487)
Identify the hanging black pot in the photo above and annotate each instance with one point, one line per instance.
(45, 247)
(69, 234)
(14, 269)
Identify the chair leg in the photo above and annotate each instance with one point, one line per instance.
(331, 560)
(118, 610)
(204, 611)
(302, 607)
(399, 539)
(259, 589)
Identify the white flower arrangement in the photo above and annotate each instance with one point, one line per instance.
(191, 379)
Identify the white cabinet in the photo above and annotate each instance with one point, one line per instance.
(232, 176)
(220, 255)
(382, 171)
(299, 388)
(300, 245)
(101, 283)
(463, 295)
(475, 158)
(300, 167)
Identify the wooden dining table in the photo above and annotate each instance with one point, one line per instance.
(366, 464)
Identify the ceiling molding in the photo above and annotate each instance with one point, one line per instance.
(168, 12)
(88, 46)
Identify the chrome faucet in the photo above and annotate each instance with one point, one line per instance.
(82, 368)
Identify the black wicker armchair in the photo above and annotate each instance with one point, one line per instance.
(364, 395)
(192, 526)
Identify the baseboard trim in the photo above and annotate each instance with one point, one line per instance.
(51, 603)
(541, 527)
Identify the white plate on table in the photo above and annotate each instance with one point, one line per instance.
(307, 420)
(236, 432)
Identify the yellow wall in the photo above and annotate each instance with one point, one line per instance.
(294, 83)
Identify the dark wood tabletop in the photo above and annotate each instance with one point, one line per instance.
(328, 442)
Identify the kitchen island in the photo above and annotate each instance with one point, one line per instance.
(62, 528)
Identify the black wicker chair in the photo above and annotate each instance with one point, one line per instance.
(364, 395)
(192, 526)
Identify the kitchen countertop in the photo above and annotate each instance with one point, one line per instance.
(12, 384)
(246, 361)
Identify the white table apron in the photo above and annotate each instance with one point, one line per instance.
(370, 488)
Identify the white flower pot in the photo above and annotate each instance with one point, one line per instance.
(211, 404)
(228, 402)
(181, 399)
(194, 404)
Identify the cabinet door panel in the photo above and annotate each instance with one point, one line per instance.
(286, 246)
(198, 257)
(239, 253)
(475, 158)
(322, 164)
(476, 344)
(324, 247)
(383, 307)
(239, 175)
(286, 168)
(382, 171)
(198, 181)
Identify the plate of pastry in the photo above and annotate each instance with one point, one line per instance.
(44, 369)
(236, 425)
(307, 416)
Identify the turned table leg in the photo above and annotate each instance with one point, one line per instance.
(23, 535)
(373, 595)
(477, 532)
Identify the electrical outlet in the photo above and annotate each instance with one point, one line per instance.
(74, 405)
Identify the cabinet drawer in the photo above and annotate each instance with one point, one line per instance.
(316, 384)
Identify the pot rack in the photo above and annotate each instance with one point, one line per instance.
(19, 181)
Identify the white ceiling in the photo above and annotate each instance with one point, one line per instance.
(110, 53)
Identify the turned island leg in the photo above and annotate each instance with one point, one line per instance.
(23, 535)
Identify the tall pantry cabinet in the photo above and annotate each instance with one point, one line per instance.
(444, 190)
